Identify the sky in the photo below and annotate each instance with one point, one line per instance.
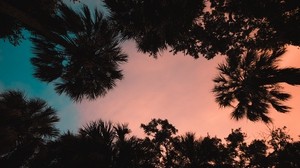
(173, 87)
(16, 73)
(178, 88)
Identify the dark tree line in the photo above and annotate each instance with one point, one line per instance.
(29, 139)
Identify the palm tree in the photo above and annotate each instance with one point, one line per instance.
(188, 146)
(81, 55)
(124, 148)
(99, 137)
(87, 66)
(25, 125)
(251, 84)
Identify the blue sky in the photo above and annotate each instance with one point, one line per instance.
(16, 73)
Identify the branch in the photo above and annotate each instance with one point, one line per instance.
(31, 23)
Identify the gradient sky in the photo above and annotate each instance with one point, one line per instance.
(177, 88)
(16, 73)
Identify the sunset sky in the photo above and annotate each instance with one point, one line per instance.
(173, 87)
(179, 88)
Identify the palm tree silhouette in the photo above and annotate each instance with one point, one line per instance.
(188, 146)
(80, 54)
(25, 125)
(87, 64)
(100, 136)
(251, 84)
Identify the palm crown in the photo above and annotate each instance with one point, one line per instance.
(251, 84)
(84, 62)
(25, 125)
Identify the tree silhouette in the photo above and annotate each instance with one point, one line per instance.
(211, 152)
(124, 150)
(156, 24)
(98, 143)
(235, 148)
(104, 144)
(189, 147)
(162, 133)
(11, 28)
(81, 55)
(251, 84)
(207, 28)
(289, 156)
(273, 28)
(256, 154)
(25, 126)
(88, 65)
(91, 147)
(102, 135)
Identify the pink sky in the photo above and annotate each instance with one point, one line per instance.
(178, 88)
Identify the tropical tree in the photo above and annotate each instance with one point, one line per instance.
(25, 126)
(212, 152)
(274, 27)
(91, 147)
(162, 134)
(207, 28)
(104, 144)
(97, 144)
(99, 137)
(65, 151)
(12, 29)
(289, 156)
(251, 84)
(256, 154)
(189, 146)
(235, 148)
(156, 24)
(81, 55)
(87, 66)
(123, 148)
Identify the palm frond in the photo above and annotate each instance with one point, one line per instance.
(252, 80)
(86, 67)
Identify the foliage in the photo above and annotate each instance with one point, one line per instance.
(156, 24)
(208, 28)
(162, 134)
(80, 54)
(251, 84)
(274, 27)
(105, 144)
(88, 65)
(25, 126)
(11, 28)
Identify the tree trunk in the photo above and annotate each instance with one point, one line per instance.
(31, 23)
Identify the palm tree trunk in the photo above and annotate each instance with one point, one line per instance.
(31, 23)
(290, 76)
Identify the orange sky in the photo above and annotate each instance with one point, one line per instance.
(178, 88)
